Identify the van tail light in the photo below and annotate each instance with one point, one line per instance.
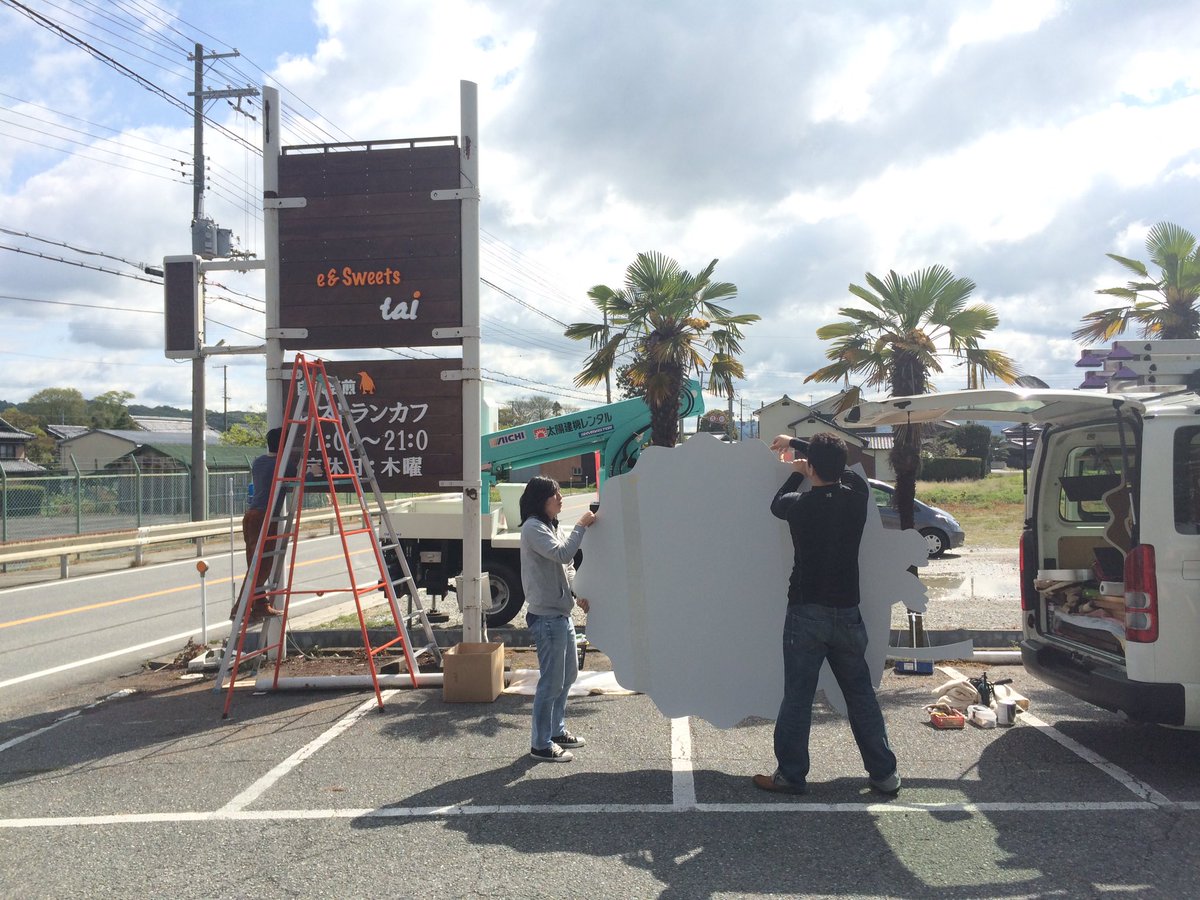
(1141, 595)
(1029, 597)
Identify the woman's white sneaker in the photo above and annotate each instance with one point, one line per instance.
(553, 753)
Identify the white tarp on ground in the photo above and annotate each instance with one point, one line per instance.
(524, 681)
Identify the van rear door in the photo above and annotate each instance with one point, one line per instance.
(1001, 405)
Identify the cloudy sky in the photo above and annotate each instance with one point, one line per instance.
(802, 144)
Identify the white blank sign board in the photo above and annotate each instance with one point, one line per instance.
(686, 571)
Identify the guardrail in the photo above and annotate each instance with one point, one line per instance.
(139, 539)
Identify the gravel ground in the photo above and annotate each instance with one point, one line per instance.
(975, 588)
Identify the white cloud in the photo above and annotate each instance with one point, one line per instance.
(847, 93)
(801, 144)
(999, 19)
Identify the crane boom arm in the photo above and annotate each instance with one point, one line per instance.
(616, 430)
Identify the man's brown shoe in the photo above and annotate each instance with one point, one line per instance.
(777, 784)
(264, 611)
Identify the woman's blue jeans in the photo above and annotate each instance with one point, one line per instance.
(811, 635)
(558, 665)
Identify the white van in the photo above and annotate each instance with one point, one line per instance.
(1110, 553)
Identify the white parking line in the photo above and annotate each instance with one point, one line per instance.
(1139, 788)
(683, 784)
(20, 739)
(582, 809)
(256, 790)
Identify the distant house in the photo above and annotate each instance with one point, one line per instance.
(66, 432)
(160, 424)
(93, 450)
(574, 471)
(13, 443)
(158, 457)
(788, 416)
(1019, 443)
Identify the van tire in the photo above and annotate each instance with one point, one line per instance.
(507, 594)
(936, 541)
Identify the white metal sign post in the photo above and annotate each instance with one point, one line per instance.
(472, 604)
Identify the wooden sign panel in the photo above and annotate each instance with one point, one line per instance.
(410, 420)
(370, 260)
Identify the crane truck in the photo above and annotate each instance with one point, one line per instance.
(431, 527)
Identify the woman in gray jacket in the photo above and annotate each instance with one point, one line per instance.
(546, 572)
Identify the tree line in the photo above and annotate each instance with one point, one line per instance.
(110, 410)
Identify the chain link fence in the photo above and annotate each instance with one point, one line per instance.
(59, 505)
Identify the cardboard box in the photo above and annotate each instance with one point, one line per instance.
(473, 673)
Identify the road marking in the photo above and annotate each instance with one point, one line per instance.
(174, 638)
(162, 593)
(190, 562)
(583, 809)
(20, 739)
(683, 784)
(256, 790)
(1140, 788)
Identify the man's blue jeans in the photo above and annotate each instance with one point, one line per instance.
(811, 635)
(558, 665)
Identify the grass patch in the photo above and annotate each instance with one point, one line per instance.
(991, 510)
(377, 617)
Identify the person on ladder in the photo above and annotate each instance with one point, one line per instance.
(262, 471)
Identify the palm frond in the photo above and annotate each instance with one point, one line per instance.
(1134, 265)
(1103, 324)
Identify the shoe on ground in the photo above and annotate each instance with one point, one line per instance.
(553, 753)
(777, 784)
(568, 740)
(889, 785)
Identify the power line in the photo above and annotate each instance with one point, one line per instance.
(545, 389)
(153, 88)
(71, 262)
(86, 22)
(34, 237)
(93, 362)
(152, 312)
(528, 306)
(96, 137)
(105, 162)
(131, 24)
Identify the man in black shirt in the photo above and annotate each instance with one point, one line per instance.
(823, 620)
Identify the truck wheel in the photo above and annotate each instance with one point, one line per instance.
(507, 595)
(936, 541)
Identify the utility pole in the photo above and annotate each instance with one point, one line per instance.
(225, 398)
(207, 241)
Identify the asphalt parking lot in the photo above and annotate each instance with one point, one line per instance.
(153, 794)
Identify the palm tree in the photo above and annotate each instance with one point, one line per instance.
(673, 324)
(894, 343)
(1173, 313)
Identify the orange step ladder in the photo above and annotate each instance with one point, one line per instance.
(320, 432)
